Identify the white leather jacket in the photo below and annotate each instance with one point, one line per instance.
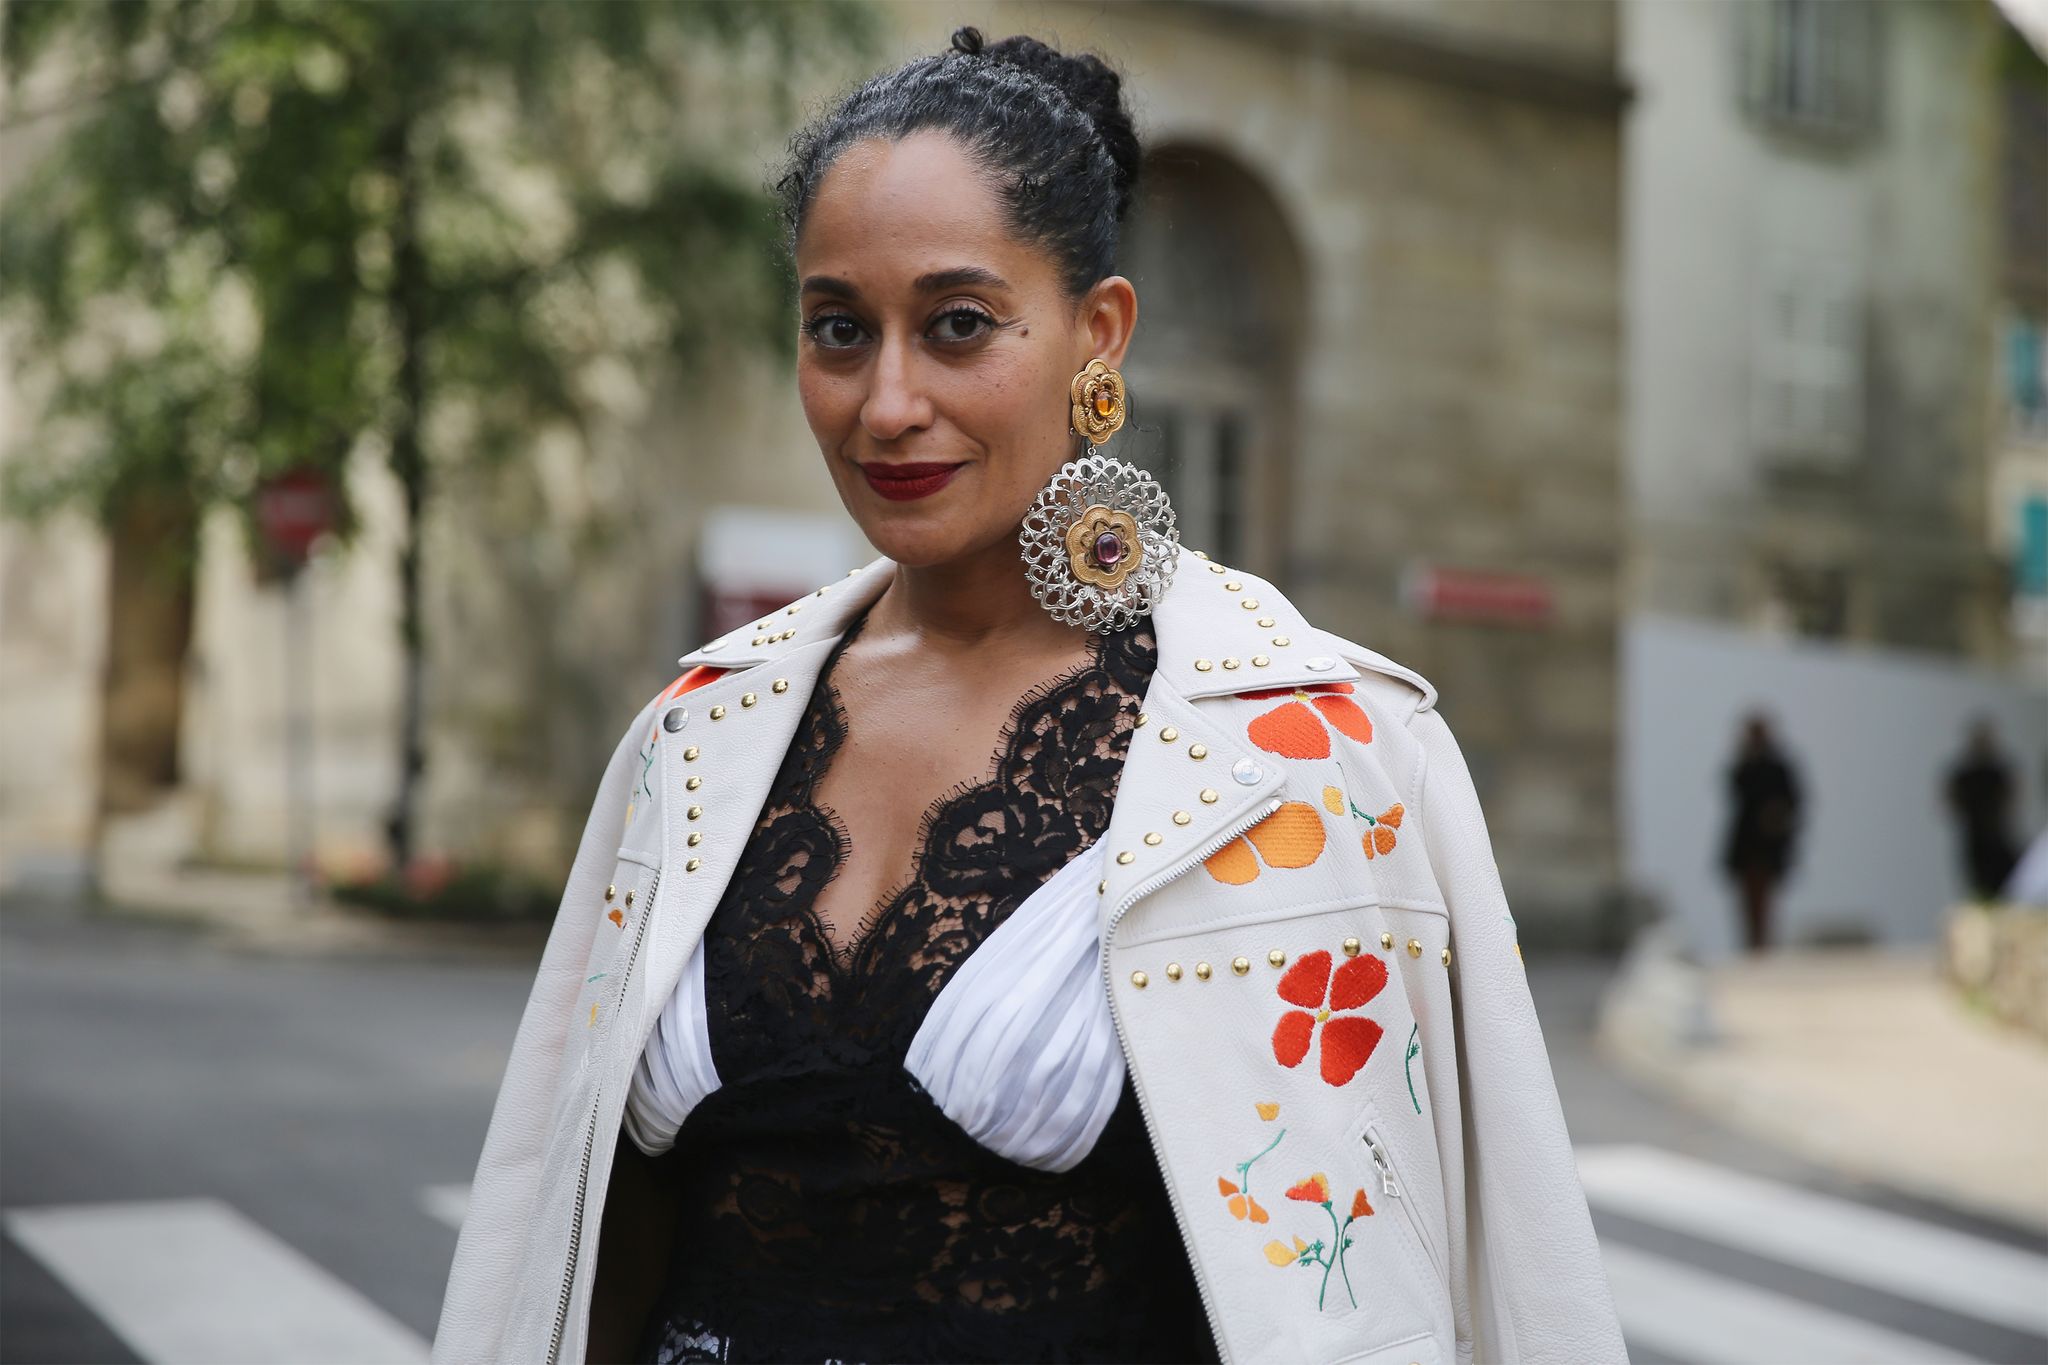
(1305, 947)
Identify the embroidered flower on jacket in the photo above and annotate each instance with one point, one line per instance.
(1292, 730)
(1315, 1189)
(1379, 832)
(1290, 837)
(1348, 1039)
(1237, 1194)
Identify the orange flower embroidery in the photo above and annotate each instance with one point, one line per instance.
(1379, 834)
(1238, 1197)
(1290, 837)
(1240, 1204)
(1348, 1040)
(1292, 730)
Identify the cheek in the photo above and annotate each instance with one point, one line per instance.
(1020, 415)
(830, 401)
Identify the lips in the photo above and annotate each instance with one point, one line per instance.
(905, 482)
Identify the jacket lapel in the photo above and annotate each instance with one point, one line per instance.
(1191, 780)
(720, 747)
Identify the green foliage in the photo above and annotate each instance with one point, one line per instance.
(473, 893)
(276, 230)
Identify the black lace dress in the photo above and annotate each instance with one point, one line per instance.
(828, 1210)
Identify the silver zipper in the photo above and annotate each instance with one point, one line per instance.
(1390, 1186)
(590, 1134)
(1116, 915)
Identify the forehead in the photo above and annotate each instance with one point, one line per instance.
(888, 211)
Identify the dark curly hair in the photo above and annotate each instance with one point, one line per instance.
(1051, 127)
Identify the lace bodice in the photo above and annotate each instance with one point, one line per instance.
(828, 1209)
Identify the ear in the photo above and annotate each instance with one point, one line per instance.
(1109, 313)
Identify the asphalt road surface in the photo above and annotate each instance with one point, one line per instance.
(210, 1155)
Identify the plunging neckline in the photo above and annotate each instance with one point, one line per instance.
(843, 961)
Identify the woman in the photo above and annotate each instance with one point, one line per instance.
(1763, 826)
(1142, 1040)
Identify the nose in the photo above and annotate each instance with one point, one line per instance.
(896, 403)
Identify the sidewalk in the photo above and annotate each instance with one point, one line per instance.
(256, 912)
(1862, 1060)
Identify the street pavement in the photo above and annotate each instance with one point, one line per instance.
(209, 1154)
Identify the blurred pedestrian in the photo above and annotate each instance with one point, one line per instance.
(1763, 826)
(870, 1086)
(1980, 791)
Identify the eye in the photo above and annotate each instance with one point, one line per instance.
(833, 331)
(961, 324)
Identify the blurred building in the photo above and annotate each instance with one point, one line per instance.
(1389, 325)
(1380, 351)
(1821, 263)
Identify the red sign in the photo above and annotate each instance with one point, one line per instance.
(293, 510)
(1475, 595)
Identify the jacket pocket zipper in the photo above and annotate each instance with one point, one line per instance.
(1390, 1185)
(590, 1135)
(1132, 897)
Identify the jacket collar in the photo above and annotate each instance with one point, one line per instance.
(1219, 630)
(1190, 780)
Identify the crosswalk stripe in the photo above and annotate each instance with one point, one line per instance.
(192, 1280)
(446, 1203)
(1912, 1259)
(1704, 1319)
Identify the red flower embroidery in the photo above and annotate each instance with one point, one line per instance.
(1348, 1040)
(1314, 1190)
(1292, 730)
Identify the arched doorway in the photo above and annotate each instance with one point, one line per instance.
(1212, 369)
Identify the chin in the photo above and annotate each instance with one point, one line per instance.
(922, 542)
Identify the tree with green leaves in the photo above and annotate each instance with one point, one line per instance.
(270, 234)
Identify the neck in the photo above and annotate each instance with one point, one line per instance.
(970, 602)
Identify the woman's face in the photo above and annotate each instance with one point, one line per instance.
(937, 349)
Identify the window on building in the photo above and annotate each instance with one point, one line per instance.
(2026, 376)
(1201, 466)
(1811, 65)
(2030, 557)
(1212, 375)
(1806, 376)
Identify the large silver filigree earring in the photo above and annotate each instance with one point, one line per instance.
(1100, 545)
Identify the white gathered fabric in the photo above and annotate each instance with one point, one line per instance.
(1018, 1048)
(675, 1071)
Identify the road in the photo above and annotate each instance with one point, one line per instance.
(212, 1155)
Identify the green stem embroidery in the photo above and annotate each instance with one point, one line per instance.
(1359, 813)
(1343, 1245)
(1318, 1254)
(1244, 1168)
(1408, 1065)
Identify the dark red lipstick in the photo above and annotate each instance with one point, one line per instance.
(907, 482)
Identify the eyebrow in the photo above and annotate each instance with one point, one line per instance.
(929, 282)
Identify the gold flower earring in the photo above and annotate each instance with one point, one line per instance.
(1100, 545)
